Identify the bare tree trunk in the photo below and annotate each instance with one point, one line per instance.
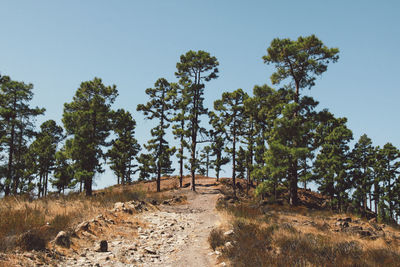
(234, 160)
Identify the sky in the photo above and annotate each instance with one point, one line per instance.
(56, 45)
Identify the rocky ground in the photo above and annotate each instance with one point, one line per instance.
(175, 235)
(140, 234)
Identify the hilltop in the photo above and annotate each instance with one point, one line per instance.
(134, 226)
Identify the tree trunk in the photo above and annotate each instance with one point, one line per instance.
(234, 160)
(10, 156)
(181, 157)
(293, 198)
(194, 136)
(40, 185)
(88, 186)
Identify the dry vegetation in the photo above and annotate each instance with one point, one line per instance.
(267, 234)
(31, 223)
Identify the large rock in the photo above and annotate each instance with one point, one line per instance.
(62, 239)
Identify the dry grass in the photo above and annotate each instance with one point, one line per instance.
(278, 235)
(48, 216)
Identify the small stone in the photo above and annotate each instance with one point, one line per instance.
(84, 226)
(62, 239)
(228, 233)
(119, 206)
(228, 245)
(347, 219)
(103, 246)
(150, 250)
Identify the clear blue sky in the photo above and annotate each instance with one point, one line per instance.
(57, 44)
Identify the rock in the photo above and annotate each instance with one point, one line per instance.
(119, 205)
(228, 245)
(29, 256)
(62, 239)
(150, 250)
(347, 219)
(83, 226)
(103, 246)
(364, 233)
(228, 233)
(375, 226)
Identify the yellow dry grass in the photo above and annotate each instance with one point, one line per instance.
(285, 236)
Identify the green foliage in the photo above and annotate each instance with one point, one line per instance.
(87, 119)
(361, 171)
(193, 70)
(42, 153)
(228, 118)
(16, 130)
(63, 171)
(301, 60)
(159, 107)
(332, 163)
(124, 147)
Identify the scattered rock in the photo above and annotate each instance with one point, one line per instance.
(119, 206)
(103, 246)
(228, 233)
(62, 239)
(83, 226)
(364, 233)
(347, 219)
(228, 245)
(150, 250)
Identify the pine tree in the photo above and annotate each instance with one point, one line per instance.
(205, 161)
(87, 119)
(361, 170)
(301, 61)
(331, 165)
(180, 130)
(42, 153)
(63, 172)
(124, 147)
(389, 166)
(17, 129)
(230, 112)
(217, 148)
(160, 107)
(241, 160)
(193, 70)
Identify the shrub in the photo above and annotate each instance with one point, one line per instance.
(216, 238)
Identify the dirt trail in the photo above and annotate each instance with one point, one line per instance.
(201, 206)
(175, 235)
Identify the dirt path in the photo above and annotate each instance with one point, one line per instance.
(175, 235)
(201, 207)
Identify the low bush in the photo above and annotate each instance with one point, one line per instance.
(216, 238)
